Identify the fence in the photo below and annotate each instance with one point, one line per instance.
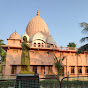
(23, 83)
(66, 82)
(74, 82)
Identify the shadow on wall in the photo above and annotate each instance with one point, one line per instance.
(13, 59)
(42, 58)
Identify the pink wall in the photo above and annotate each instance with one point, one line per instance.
(14, 42)
(41, 57)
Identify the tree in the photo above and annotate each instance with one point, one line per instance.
(71, 44)
(84, 31)
(2, 51)
(58, 65)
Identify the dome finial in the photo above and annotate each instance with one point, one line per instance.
(38, 13)
(15, 30)
(14, 35)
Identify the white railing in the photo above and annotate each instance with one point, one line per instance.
(51, 46)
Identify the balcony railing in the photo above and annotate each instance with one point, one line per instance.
(52, 47)
(68, 48)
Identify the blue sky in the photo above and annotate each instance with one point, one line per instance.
(63, 18)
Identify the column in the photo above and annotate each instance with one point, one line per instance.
(18, 69)
(39, 69)
(54, 70)
(65, 71)
(76, 70)
(46, 70)
(31, 68)
(45, 45)
(83, 70)
(68, 70)
(54, 45)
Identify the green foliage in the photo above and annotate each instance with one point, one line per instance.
(2, 51)
(58, 64)
(71, 44)
(49, 83)
(85, 31)
(1, 68)
(82, 49)
(65, 84)
(7, 84)
(74, 84)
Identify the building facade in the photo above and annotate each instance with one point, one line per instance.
(43, 49)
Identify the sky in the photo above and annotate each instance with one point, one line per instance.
(63, 18)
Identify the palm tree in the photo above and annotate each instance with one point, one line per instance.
(58, 65)
(85, 31)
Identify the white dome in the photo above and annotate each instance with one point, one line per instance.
(39, 36)
(26, 36)
(31, 38)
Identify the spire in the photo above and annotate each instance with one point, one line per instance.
(38, 13)
(50, 36)
(15, 30)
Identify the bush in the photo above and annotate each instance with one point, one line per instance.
(49, 83)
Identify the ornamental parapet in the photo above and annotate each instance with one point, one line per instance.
(42, 46)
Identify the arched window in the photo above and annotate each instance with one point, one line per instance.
(48, 46)
(14, 69)
(38, 44)
(80, 69)
(34, 44)
(35, 69)
(42, 45)
(42, 70)
(86, 69)
(72, 69)
(50, 70)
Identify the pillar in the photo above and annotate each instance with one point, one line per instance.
(65, 71)
(31, 68)
(39, 69)
(46, 70)
(76, 70)
(83, 70)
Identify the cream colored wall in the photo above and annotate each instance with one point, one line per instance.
(38, 41)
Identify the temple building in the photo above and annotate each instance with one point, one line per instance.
(43, 49)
